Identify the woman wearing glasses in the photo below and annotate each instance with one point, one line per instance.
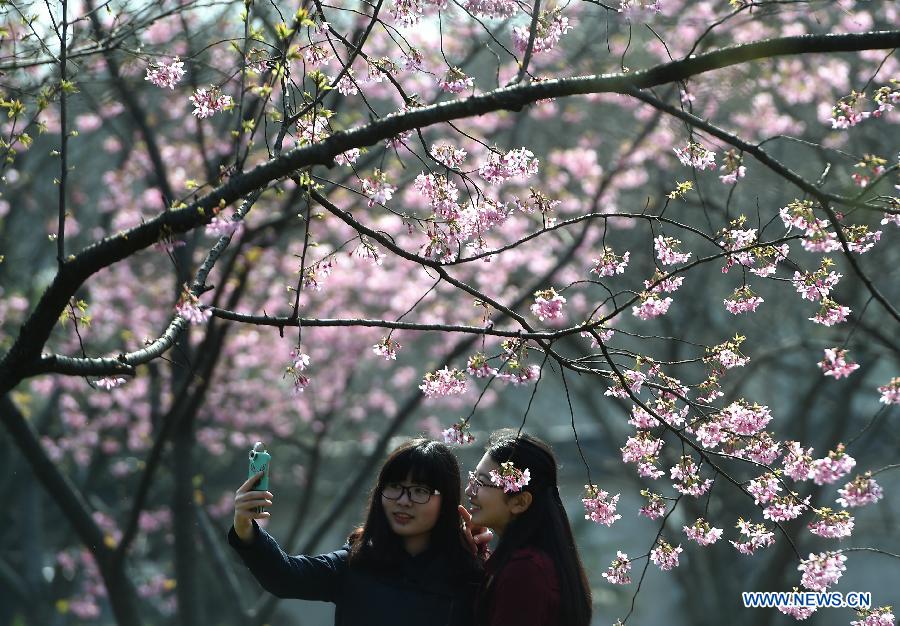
(535, 576)
(408, 565)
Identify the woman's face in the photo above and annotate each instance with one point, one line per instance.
(413, 521)
(489, 505)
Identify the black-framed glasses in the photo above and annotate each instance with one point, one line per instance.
(417, 493)
(476, 483)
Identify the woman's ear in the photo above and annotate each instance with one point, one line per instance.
(520, 502)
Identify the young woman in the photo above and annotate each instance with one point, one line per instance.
(535, 576)
(408, 565)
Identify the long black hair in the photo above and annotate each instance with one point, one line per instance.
(375, 546)
(544, 525)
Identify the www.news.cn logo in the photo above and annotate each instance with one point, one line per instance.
(807, 599)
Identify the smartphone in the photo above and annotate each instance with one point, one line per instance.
(260, 459)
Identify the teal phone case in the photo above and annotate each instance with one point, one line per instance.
(259, 462)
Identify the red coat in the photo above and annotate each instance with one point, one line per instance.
(525, 592)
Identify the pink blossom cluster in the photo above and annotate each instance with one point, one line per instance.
(689, 482)
(760, 448)
(886, 97)
(208, 102)
(458, 434)
(109, 382)
(641, 419)
(518, 373)
(347, 85)
(730, 359)
(831, 524)
(510, 478)
(610, 263)
(830, 313)
(742, 418)
(829, 469)
(635, 379)
(890, 393)
(664, 555)
(377, 189)
(617, 573)
(387, 348)
(604, 333)
(409, 12)
(441, 192)
(518, 163)
(757, 537)
(695, 155)
(742, 300)
(651, 306)
(312, 127)
(797, 461)
(667, 250)
(787, 507)
(456, 81)
(730, 176)
(880, 616)
(444, 382)
(299, 363)
(639, 9)
(764, 488)
(188, 307)
(640, 447)
(346, 158)
(599, 507)
(822, 570)
(769, 256)
(701, 532)
(165, 74)
(861, 491)
(448, 155)
(815, 286)
(734, 241)
(860, 239)
(547, 305)
(550, 29)
(655, 507)
(492, 8)
(660, 284)
(478, 366)
(846, 114)
(836, 364)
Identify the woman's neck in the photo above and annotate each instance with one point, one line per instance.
(415, 546)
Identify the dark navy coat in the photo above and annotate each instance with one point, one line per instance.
(422, 592)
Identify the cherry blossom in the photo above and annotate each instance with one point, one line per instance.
(655, 507)
(687, 474)
(861, 491)
(836, 364)
(822, 570)
(831, 524)
(695, 155)
(109, 382)
(787, 507)
(387, 348)
(880, 616)
(550, 29)
(165, 74)
(599, 506)
(639, 9)
(378, 190)
(547, 305)
(664, 555)
(764, 488)
(797, 461)
(458, 434)
(188, 307)
(456, 81)
(510, 478)
(830, 313)
(701, 532)
(478, 366)
(444, 382)
(758, 536)
(610, 263)
(742, 300)
(651, 306)
(742, 418)
(829, 469)
(890, 393)
(208, 102)
(617, 573)
(492, 8)
(667, 250)
(518, 163)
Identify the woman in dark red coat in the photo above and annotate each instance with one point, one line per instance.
(535, 576)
